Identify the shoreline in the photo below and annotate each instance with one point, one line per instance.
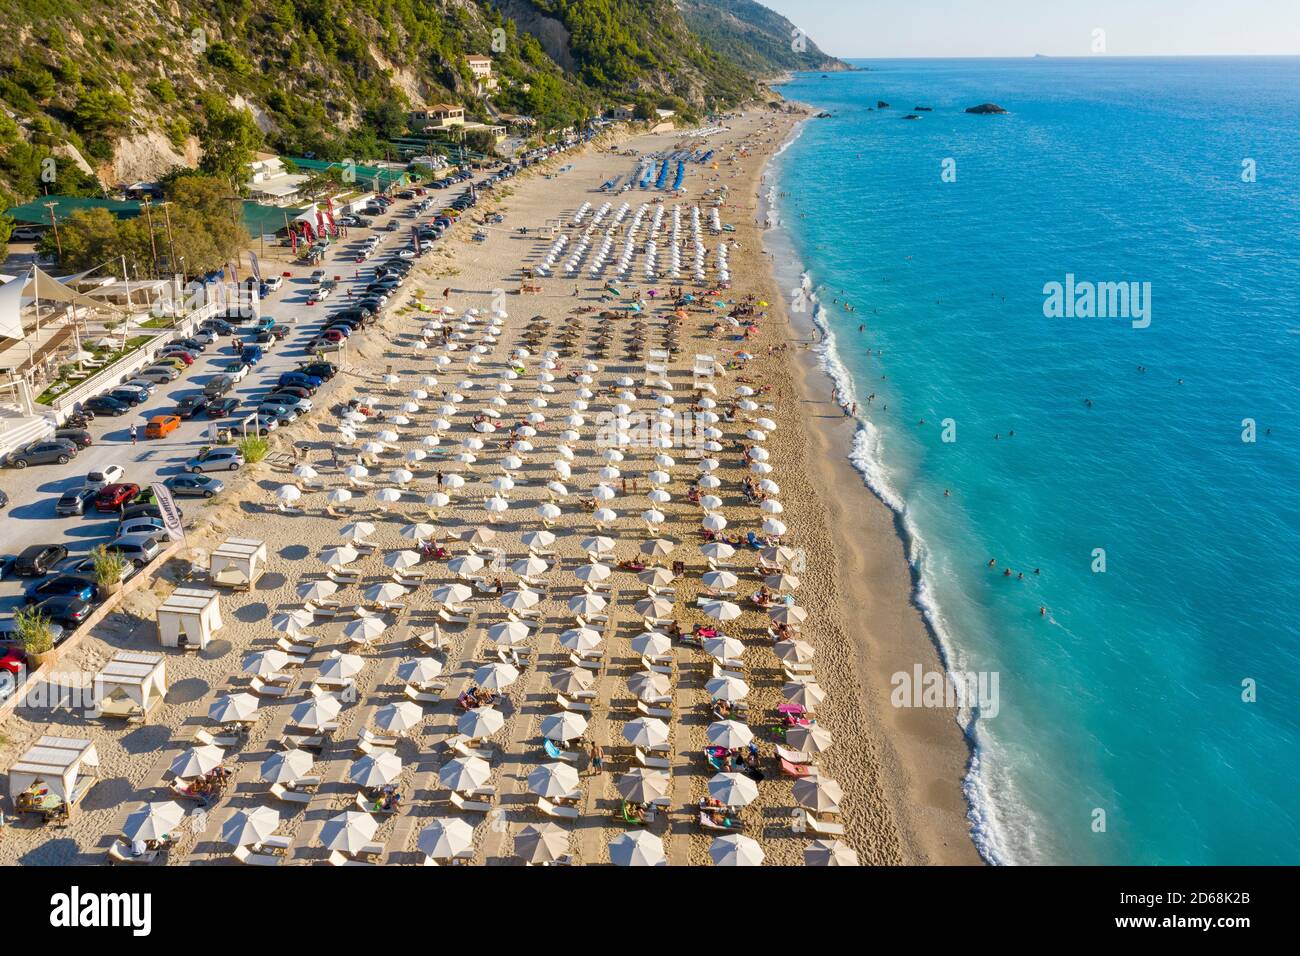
(926, 751)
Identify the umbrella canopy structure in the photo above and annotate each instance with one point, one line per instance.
(721, 610)
(649, 685)
(348, 831)
(316, 713)
(652, 644)
(154, 821)
(496, 675)
(197, 761)
(563, 725)
(830, 853)
(339, 557)
(445, 838)
(542, 843)
(654, 606)
(265, 663)
(365, 628)
(342, 666)
(250, 825)
(818, 793)
(398, 718)
(420, 671)
(807, 694)
(735, 849)
(637, 848)
(787, 614)
(733, 789)
(646, 732)
(286, 766)
(730, 689)
(808, 738)
(572, 680)
(375, 770)
(729, 733)
(233, 708)
(642, 785)
(554, 780)
(464, 773)
(294, 622)
(480, 722)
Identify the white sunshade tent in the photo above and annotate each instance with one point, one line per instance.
(54, 763)
(130, 685)
(189, 617)
(238, 563)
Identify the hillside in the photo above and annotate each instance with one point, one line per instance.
(760, 40)
(125, 90)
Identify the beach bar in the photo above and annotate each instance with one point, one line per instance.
(238, 563)
(48, 778)
(188, 618)
(130, 685)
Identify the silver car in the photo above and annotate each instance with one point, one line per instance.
(216, 459)
(139, 549)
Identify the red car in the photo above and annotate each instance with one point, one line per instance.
(181, 354)
(333, 336)
(113, 497)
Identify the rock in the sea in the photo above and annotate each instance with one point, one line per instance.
(923, 109)
(985, 108)
(911, 116)
(881, 105)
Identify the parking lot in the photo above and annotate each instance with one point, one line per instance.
(30, 517)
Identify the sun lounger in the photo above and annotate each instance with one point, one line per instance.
(303, 783)
(343, 577)
(589, 664)
(432, 641)
(466, 749)
(590, 619)
(281, 792)
(529, 621)
(267, 690)
(657, 668)
(302, 742)
(448, 618)
(469, 806)
(337, 858)
(797, 769)
(423, 697)
(376, 740)
(370, 805)
(205, 738)
(573, 705)
(246, 856)
(118, 853)
(301, 651)
(557, 810)
(657, 763)
(822, 827)
(555, 753)
(793, 756)
(708, 823)
(649, 711)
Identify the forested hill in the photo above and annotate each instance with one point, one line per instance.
(762, 41)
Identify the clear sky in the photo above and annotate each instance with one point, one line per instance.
(955, 28)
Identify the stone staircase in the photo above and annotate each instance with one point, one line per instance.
(18, 430)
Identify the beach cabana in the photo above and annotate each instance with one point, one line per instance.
(238, 563)
(188, 618)
(130, 685)
(49, 777)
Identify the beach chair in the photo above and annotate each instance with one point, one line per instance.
(792, 756)
(578, 707)
(797, 769)
(432, 640)
(557, 810)
(588, 663)
(531, 621)
(424, 697)
(298, 653)
(467, 749)
(708, 823)
(119, 853)
(267, 690)
(469, 806)
(520, 657)
(409, 580)
(246, 856)
(205, 738)
(302, 742)
(822, 827)
(447, 617)
(283, 793)
(649, 711)
(337, 858)
(659, 668)
(376, 740)
(656, 763)
(555, 753)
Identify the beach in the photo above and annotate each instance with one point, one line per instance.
(900, 769)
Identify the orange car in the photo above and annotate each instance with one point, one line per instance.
(161, 425)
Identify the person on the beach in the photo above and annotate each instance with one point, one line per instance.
(131, 432)
(597, 758)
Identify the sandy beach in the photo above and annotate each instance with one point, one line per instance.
(900, 769)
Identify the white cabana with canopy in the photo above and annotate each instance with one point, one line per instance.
(130, 685)
(48, 777)
(188, 618)
(238, 563)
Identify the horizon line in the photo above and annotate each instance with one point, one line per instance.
(1076, 56)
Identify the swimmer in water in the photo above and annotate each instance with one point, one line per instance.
(993, 562)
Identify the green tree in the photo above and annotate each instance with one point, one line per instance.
(229, 138)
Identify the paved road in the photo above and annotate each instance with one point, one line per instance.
(33, 492)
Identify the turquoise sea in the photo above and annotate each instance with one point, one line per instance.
(1152, 713)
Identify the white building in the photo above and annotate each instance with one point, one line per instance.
(270, 182)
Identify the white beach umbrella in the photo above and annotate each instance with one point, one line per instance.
(399, 717)
(421, 670)
(365, 628)
(597, 544)
(481, 722)
(538, 540)
(293, 622)
(375, 770)
(587, 604)
(571, 680)
(563, 725)
(548, 511)
(713, 522)
(648, 685)
(808, 738)
(774, 527)
(721, 610)
(154, 821)
(389, 495)
(232, 708)
(288, 493)
(807, 694)
(197, 761)
(340, 496)
(829, 853)
(643, 785)
(266, 663)
(340, 556)
(794, 652)
(787, 614)
(385, 592)
(733, 789)
(735, 849)
(496, 675)
(348, 831)
(719, 580)
(529, 567)
(730, 689)
(520, 600)
(637, 848)
(286, 766)
(542, 843)
(316, 590)
(401, 560)
(451, 594)
(818, 793)
(553, 780)
(593, 572)
(723, 648)
(652, 644)
(339, 666)
(464, 773)
(465, 565)
(357, 531)
(508, 632)
(729, 733)
(646, 732)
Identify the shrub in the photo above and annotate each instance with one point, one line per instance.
(108, 566)
(33, 629)
(253, 448)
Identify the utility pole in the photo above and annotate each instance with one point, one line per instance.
(55, 223)
(153, 246)
(171, 242)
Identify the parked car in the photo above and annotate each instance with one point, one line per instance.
(301, 379)
(143, 525)
(218, 385)
(67, 610)
(217, 326)
(160, 426)
(146, 385)
(139, 549)
(273, 283)
(204, 337)
(295, 402)
(114, 497)
(192, 405)
(150, 510)
(317, 370)
(107, 405)
(128, 395)
(215, 459)
(78, 436)
(281, 413)
(74, 502)
(97, 479)
(251, 354)
(43, 452)
(195, 486)
(280, 331)
(4, 498)
(38, 559)
(193, 345)
(297, 390)
(221, 407)
(159, 374)
(61, 585)
(266, 424)
(172, 362)
(177, 352)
